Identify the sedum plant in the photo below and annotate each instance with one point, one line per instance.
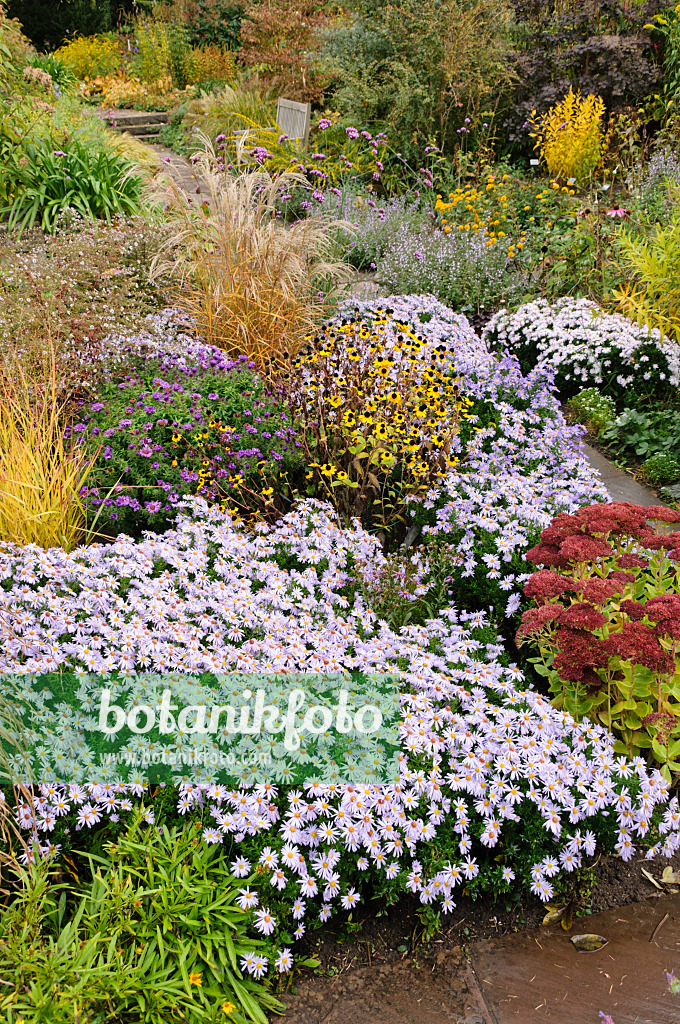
(569, 136)
(607, 624)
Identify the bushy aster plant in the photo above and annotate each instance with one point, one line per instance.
(607, 623)
(498, 788)
(523, 464)
(587, 347)
(183, 421)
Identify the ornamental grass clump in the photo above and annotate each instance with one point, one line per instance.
(254, 286)
(41, 474)
(607, 624)
(569, 136)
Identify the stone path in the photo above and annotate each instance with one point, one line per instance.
(527, 978)
(621, 486)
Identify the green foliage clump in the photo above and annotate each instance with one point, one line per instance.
(643, 433)
(156, 935)
(595, 410)
(661, 469)
(652, 265)
(44, 185)
(59, 71)
(418, 67)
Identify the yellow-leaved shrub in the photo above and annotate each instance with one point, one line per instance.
(570, 136)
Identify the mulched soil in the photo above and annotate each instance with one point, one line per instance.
(612, 883)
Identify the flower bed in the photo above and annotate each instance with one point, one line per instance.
(498, 790)
(177, 418)
(489, 765)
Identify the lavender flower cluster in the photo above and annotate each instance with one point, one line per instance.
(587, 347)
(480, 753)
(182, 405)
(460, 269)
(521, 470)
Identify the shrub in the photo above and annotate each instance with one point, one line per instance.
(278, 38)
(590, 348)
(416, 67)
(595, 410)
(46, 185)
(212, 64)
(645, 433)
(251, 283)
(170, 425)
(598, 48)
(88, 56)
(151, 61)
(661, 469)
(213, 22)
(569, 136)
(41, 475)
(610, 652)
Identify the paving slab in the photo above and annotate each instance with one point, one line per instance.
(526, 978)
(538, 975)
(621, 486)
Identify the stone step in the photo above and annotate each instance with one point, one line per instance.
(130, 119)
(141, 131)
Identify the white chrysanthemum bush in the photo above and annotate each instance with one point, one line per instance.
(498, 789)
(587, 347)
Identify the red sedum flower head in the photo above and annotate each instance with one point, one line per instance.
(545, 584)
(582, 616)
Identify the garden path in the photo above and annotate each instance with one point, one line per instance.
(527, 978)
(621, 486)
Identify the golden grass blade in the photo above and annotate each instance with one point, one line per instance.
(41, 474)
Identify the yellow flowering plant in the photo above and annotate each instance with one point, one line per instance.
(381, 416)
(570, 136)
(89, 56)
(484, 209)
